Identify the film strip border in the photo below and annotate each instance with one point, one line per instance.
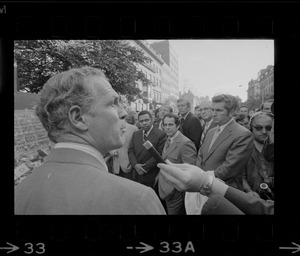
(127, 236)
(128, 20)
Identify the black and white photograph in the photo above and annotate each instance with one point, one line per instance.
(144, 127)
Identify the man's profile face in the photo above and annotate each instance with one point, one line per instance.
(106, 125)
(145, 122)
(170, 127)
(183, 107)
(220, 113)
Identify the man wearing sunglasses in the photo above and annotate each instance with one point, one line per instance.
(258, 169)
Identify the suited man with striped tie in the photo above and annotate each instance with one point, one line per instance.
(206, 114)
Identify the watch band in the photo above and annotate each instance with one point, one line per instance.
(206, 190)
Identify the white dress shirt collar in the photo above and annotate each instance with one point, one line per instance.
(174, 136)
(148, 132)
(184, 117)
(207, 124)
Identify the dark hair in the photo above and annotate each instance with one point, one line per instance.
(241, 117)
(263, 104)
(171, 115)
(230, 101)
(144, 112)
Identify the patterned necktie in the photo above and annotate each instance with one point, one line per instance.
(203, 133)
(144, 137)
(181, 124)
(168, 142)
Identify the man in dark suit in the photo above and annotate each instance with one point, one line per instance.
(190, 124)
(206, 113)
(222, 199)
(178, 149)
(81, 113)
(140, 159)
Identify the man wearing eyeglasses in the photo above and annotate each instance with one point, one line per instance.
(258, 169)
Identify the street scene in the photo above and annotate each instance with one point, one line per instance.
(155, 127)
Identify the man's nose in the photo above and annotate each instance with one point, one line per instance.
(122, 113)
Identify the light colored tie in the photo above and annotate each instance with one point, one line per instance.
(203, 133)
(217, 133)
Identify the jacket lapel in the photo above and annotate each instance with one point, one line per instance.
(172, 147)
(205, 146)
(223, 136)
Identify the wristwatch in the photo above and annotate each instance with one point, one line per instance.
(206, 190)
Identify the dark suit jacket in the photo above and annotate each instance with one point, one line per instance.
(192, 129)
(138, 154)
(74, 182)
(249, 204)
(253, 174)
(229, 154)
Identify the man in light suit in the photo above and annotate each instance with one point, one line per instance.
(222, 199)
(178, 149)
(227, 147)
(82, 115)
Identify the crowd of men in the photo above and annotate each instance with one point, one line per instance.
(219, 155)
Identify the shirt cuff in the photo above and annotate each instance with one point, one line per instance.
(218, 188)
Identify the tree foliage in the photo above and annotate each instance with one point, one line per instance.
(38, 60)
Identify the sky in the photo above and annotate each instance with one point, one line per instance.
(210, 67)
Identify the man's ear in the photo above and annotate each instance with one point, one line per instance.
(77, 119)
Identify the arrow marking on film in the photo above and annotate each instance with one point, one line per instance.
(145, 248)
(12, 248)
(297, 248)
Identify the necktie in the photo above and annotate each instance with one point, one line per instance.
(181, 124)
(144, 137)
(203, 133)
(217, 133)
(168, 142)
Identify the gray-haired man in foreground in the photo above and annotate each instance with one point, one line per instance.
(82, 115)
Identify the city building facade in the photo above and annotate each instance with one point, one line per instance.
(152, 93)
(262, 88)
(266, 79)
(169, 55)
